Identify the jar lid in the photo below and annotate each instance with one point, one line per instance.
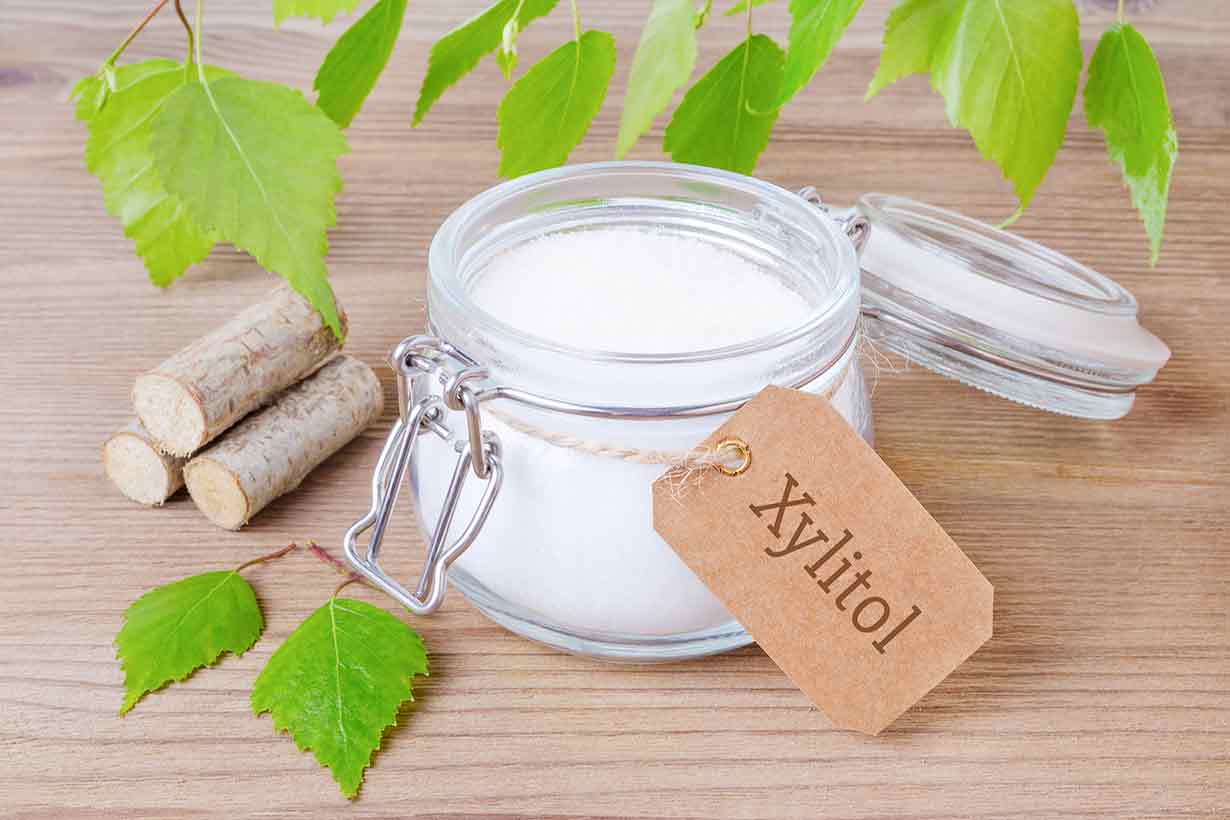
(1001, 313)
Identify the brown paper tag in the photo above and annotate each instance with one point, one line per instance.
(827, 559)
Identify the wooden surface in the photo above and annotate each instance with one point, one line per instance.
(1105, 691)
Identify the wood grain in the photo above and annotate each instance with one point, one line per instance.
(1105, 691)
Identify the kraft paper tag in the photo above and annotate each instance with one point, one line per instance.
(827, 559)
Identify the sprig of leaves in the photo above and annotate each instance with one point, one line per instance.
(190, 155)
(336, 685)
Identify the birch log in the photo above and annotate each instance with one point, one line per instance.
(134, 463)
(272, 451)
(195, 395)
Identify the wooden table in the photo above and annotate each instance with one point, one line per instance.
(1105, 691)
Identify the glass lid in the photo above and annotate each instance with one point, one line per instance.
(1001, 313)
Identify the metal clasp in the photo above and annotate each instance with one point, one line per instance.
(856, 226)
(415, 359)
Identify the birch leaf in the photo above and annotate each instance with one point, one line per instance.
(338, 682)
(455, 54)
(913, 38)
(1007, 70)
(726, 118)
(357, 59)
(323, 10)
(664, 59)
(1126, 98)
(268, 191)
(547, 112)
(815, 28)
(741, 7)
(173, 630)
(167, 238)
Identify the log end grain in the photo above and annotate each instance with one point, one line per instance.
(134, 464)
(172, 413)
(218, 493)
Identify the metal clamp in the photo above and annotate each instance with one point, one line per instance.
(414, 359)
(856, 226)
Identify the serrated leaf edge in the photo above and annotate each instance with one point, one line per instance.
(128, 705)
(333, 318)
(281, 727)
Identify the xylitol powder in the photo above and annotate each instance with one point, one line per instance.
(635, 291)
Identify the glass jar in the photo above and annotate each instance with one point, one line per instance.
(551, 450)
(568, 554)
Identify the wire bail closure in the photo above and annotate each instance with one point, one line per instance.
(856, 226)
(416, 359)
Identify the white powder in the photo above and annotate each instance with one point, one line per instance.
(635, 291)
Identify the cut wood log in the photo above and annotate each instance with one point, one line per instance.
(135, 464)
(198, 393)
(272, 451)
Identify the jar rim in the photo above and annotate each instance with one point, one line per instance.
(446, 267)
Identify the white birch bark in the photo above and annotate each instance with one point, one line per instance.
(273, 450)
(195, 395)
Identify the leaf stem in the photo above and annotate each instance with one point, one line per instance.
(1120, 13)
(703, 14)
(750, 5)
(196, 40)
(132, 35)
(324, 556)
(353, 577)
(576, 20)
(183, 18)
(266, 558)
(516, 15)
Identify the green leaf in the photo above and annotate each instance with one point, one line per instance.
(1007, 70)
(726, 118)
(355, 62)
(741, 7)
(338, 683)
(455, 54)
(324, 10)
(547, 112)
(173, 630)
(268, 190)
(663, 62)
(166, 236)
(815, 28)
(913, 37)
(1126, 98)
